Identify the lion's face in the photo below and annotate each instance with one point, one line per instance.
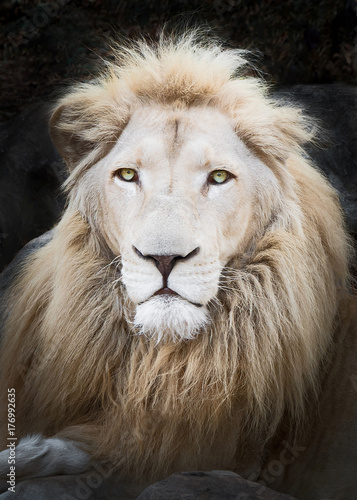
(182, 195)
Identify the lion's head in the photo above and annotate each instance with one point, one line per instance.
(197, 270)
(177, 197)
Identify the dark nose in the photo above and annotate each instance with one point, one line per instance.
(165, 263)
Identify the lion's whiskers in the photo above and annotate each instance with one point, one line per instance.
(116, 260)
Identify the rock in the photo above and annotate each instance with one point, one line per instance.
(90, 486)
(215, 485)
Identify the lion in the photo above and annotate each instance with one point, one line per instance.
(193, 308)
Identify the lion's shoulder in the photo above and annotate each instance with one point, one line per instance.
(8, 275)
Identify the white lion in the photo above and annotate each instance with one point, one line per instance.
(191, 310)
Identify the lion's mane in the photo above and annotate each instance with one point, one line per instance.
(70, 349)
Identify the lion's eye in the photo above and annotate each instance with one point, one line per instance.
(127, 174)
(218, 177)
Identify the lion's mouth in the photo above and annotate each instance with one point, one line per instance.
(169, 291)
(166, 291)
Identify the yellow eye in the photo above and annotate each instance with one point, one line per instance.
(127, 174)
(218, 177)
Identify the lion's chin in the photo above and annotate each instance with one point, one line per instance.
(170, 318)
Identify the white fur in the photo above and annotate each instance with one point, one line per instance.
(169, 318)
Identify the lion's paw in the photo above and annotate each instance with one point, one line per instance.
(37, 456)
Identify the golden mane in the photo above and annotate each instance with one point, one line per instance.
(69, 347)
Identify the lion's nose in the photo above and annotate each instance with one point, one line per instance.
(165, 263)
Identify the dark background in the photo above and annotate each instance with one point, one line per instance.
(306, 48)
(45, 44)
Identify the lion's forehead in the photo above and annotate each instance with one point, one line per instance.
(202, 135)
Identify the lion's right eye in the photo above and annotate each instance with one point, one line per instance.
(127, 174)
(219, 177)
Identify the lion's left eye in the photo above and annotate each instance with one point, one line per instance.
(219, 176)
(127, 174)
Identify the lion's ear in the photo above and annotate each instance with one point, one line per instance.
(67, 137)
(86, 123)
